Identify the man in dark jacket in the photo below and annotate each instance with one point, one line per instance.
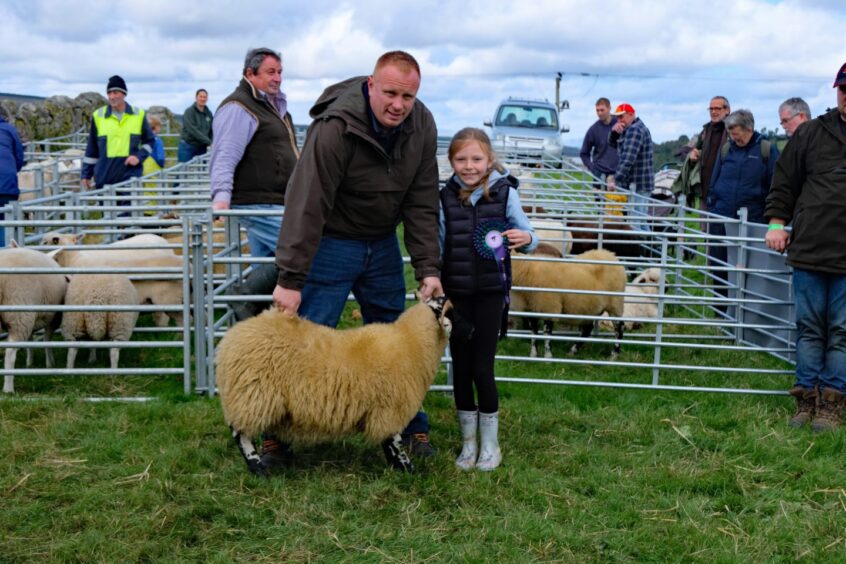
(196, 133)
(708, 144)
(368, 164)
(809, 190)
(11, 161)
(597, 155)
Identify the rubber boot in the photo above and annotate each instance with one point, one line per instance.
(490, 455)
(829, 410)
(469, 423)
(806, 405)
(262, 282)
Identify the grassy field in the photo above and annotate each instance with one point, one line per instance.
(589, 474)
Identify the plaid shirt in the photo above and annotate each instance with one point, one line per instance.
(635, 158)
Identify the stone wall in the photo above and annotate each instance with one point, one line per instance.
(60, 115)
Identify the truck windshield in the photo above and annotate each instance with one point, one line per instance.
(527, 116)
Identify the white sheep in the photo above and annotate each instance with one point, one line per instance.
(558, 274)
(118, 250)
(554, 232)
(28, 289)
(99, 290)
(641, 300)
(153, 291)
(305, 382)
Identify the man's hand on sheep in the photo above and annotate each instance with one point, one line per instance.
(517, 238)
(430, 287)
(287, 301)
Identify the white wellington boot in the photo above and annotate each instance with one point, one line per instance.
(468, 421)
(490, 456)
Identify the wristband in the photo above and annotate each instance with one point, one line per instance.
(775, 227)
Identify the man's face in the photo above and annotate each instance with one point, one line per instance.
(790, 121)
(603, 112)
(392, 93)
(718, 110)
(626, 119)
(202, 98)
(841, 100)
(268, 78)
(740, 135)
(117, 100)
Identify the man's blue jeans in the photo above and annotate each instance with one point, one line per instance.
(262, 230)
(373, 272)
(820, 299)
(185, 151)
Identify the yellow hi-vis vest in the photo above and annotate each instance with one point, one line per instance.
(118, 133)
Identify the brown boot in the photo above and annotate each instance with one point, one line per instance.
(829, 410)
(806, 405)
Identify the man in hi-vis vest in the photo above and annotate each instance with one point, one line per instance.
(120, 140)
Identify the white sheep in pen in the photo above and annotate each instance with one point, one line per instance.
(99, 290)
(28, 289)
(641, 299)
(308, 383)
(608, 277)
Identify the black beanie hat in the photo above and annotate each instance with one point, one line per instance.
(116, 83)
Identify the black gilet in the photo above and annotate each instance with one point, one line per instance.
(465, 271)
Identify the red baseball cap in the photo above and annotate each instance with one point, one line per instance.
(840, 79)
(623, 109)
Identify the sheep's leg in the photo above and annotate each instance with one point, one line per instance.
(396, 455)
(587, 329)
(48, 351)
(547, 332)
(72, 357)
(114, 357)
(9, 364)
(161, 319)
(29, 357)
(92, 355)
(533, 326)
(618, 334)
(250, 454)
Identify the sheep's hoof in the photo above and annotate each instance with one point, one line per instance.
(547, 354)
(396, 455)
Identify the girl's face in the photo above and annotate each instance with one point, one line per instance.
(471, 163)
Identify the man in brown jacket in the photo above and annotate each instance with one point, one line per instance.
(368, 164)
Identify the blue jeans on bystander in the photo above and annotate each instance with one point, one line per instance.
(185, 151)
(262, 230)
(820, 299)
(373, 272)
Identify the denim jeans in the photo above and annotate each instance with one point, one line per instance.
(373, 271)
(640, 210)
(820, 299)
(262, 230)
(3, 201)
(185, 151)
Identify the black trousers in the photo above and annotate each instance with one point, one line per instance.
(473, 361)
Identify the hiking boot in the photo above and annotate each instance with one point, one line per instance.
(829, 410)
(806, 405)
(275, 453)
(417, 444)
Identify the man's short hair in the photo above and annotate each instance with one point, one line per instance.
(740, 118)
(724, 100)
(795, 106)
(255, 57)
(197, 93)
(401, 59)
(603, 102)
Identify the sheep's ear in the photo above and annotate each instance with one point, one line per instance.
(77, 239)
(418, 296)
(13, 244)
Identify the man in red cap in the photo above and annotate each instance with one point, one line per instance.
(809, 190)
(633, 142)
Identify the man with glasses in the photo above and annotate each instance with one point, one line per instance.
(708, 144)
(809, 190)
(792, 113)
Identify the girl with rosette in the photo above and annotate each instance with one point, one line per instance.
(481, 220)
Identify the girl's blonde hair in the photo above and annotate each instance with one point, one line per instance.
(459, 141)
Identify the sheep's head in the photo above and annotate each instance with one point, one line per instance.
(454, 325)
(56, 239)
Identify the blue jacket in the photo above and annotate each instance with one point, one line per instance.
(11, 160)
(597, 154)
(742, 180)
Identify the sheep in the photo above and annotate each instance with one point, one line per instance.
(553, 232)
(28, 289)
(154, 291)
(640, 300)
(306, 382)
(57, 239)
(99, 290)
(627, 244)
(576, 276)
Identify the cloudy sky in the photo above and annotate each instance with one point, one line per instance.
(667, 58)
